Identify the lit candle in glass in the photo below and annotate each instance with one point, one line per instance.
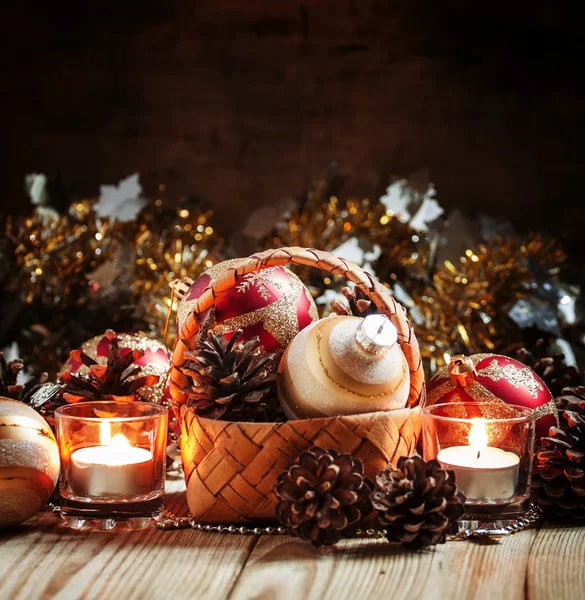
(114, 468)
(482, 472)
(113, 462)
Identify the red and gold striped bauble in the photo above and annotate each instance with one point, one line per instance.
(494, 378)
(272, 304)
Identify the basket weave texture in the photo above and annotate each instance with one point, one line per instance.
(231, 467)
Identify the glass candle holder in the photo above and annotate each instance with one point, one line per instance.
(489, 447)
(113, 462)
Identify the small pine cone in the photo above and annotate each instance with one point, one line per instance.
(323, 496)
(356, 303)
(552, 370)
(9, 388)
(418, 503)
(559, 477)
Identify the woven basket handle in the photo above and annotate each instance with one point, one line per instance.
(326, 261)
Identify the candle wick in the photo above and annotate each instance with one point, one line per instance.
(381, 329)
(478, 453)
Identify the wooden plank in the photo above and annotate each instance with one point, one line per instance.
(284, 568)
(480, 570)
(556, 564)
(44, 559)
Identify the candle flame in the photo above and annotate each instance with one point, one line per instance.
(118, 441)
(105, 434)
(478, 437)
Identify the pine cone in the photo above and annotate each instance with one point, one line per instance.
(559, 478)
(230, 380)
(551, 369)
(569, 400)
(9, 388)
(323, 495)
(356, 303)
(418, 502)
(112, 381)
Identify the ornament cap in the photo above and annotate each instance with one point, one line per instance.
(180, 287)
(376, 334)
(462, 370)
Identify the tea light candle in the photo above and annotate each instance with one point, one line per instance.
(112, 469)
(482, 473)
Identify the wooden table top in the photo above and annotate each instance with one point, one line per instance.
(44, 559)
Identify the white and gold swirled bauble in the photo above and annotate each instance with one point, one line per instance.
(29, 462)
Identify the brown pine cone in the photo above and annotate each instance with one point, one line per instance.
(552, 370)
(559, 477)
(230, 380)
(9, 388)
(323, 496)
(418, 503)
(356, 303)
(113, 381)
(568, 400)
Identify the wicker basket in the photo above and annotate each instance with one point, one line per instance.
(231, 467)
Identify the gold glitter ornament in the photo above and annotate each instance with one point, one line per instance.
(333, 368)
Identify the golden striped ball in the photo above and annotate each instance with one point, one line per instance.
(29, 462)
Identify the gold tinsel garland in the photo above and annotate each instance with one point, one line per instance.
(79, 274)
(185, 246)
(53, 254)
(325, 221)
(77, 270)
(456, 308)
(464, 307)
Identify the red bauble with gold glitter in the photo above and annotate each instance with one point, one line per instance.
(494, 378)
(272, 304)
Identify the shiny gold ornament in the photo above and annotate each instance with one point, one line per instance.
(29, 462)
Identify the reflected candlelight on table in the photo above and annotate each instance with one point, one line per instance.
(482, 473)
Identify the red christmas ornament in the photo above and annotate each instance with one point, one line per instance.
(272, 304)
(494, 378)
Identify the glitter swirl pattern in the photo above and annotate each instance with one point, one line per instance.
(516, 377)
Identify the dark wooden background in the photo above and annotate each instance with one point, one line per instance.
(245, 102)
